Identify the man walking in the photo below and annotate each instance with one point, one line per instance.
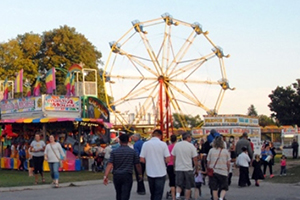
(122, 161)
(138, 143)
(295, 147)
(155, 154)
(184, 155)
(244, 142)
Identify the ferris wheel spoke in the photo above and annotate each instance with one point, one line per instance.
(191, 98)
(137, 61)
(195, 81)
(133, 77)
(182, 51)
(134, 93)
(138, 27)
(164, 47)
(193, 64)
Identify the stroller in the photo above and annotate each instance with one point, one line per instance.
(97, 166)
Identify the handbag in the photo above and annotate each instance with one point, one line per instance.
(210, 171)
(60, 161)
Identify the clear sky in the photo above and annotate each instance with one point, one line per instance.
(262, 37)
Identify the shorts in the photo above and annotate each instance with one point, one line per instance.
(218, 182)
(198, 185)
(185, 179)
(31, 163)
(171, 175)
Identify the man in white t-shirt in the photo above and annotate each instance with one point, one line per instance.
(155, 154)
(184, 155)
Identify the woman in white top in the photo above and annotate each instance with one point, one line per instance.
(53, 153)
(37, 148)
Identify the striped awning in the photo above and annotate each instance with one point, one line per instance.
(54, 119)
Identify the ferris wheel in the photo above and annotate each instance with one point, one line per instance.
(163, 66)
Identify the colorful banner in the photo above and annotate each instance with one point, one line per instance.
(26, 104)
(96, 109)
(19, 82)
(50, 80)
(36, 88)
(62, 103)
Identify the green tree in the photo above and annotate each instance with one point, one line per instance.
(285, 104)
(59, 48)
(264, 120)
(63, 47)
(188, 121)
(252, 111)
(20, 53)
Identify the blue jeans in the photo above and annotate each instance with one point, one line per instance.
(156, 186)
(54, 166)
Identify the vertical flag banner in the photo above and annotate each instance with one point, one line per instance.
(28, 91)
(50, 81)
(68, 84)
(5, 92)
(19, 82)
(72, 85)
(36, 88)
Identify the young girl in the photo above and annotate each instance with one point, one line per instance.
(283, 165)
(243, 161)
(198, 183)
(257, 172)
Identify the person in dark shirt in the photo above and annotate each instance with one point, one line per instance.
(295, 147)
(138, 144)
(122, 161)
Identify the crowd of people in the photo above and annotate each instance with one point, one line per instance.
(187, 164)
(36, 152)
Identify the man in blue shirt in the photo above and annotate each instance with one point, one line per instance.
(138, 143)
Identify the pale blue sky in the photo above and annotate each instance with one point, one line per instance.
(262, 37)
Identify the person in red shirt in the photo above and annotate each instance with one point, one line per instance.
(283, 165)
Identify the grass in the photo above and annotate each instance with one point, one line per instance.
(12, 178)
(293, 171)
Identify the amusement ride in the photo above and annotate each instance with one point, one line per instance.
(160, 67)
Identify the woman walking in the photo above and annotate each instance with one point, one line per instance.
(218, 158)
(266, 156)
(37, 148)
(53, 153)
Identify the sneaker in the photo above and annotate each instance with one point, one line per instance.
(284, 174)
(256, 184)
(272, 175)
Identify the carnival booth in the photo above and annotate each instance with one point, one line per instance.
(232, 126)
(76, 122)
(288, 134)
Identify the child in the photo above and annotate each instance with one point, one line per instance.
(198, 183)
(30, 169)
(243, 161)
(257, 172)
(283, 165)
(22, 157)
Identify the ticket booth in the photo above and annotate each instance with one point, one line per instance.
(288, 134)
